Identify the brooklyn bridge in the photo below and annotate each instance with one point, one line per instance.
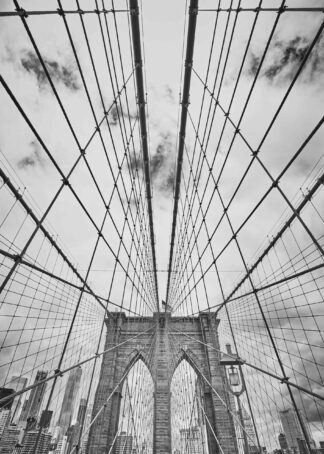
(161, 227)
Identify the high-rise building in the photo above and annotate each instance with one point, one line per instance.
(124, 444)
(10, 437)
(32, 406)
(293, 429)
(73, 432)
(61, 446)
(6, 392)
(191, 440)
(70, 394)
(82, 411)
(43, 445)
(283, 442)
(320, 450)
(85, 432)
(5, 416)
(17, 383)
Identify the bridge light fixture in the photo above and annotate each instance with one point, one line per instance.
(234, 376)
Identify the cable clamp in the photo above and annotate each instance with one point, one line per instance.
(285, 380)
(193, 11)
(58, 372)
(80, 11)
(134, 12)
(96, 10)
(65, 181)
(188, 64)
(17, 258)
(22, 12)
(82, 151)
(255, 153)
(282, 9)
(275, 184)
(237, 130)
(60, 12)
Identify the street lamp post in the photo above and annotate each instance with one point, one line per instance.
(236, 387)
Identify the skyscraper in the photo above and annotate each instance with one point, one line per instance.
(9, 439)
(6, 392)
(17, 383)
(124, 444)
(43, 445)
(293, 429)
(70, 394)
(4, 419)
(191, 440)
(73, 432)
(82, 411)
(283, 442)
(87, 422)
(32, 406)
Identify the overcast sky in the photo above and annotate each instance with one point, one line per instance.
(164, 40)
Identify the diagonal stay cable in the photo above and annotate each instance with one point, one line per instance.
(238, 77)
(134, 12)
(237, 126)
(62, 372)
(193, 11)
(296, 212)
(65, 182)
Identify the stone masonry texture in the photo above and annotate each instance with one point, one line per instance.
(162, 359)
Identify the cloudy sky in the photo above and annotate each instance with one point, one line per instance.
(65, 115)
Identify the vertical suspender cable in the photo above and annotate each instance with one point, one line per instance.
(193, 11)
(134, 16)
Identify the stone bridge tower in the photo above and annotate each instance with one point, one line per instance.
(162, 360)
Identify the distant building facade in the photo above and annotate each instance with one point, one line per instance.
(191, 440)
(294, 432)
(5, 416)
(124, 444)
(283, 442)
(17, 384)
(70, 394)
(9, 439)
(32, 406)
(43, 445)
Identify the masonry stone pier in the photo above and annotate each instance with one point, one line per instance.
(153, 346)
